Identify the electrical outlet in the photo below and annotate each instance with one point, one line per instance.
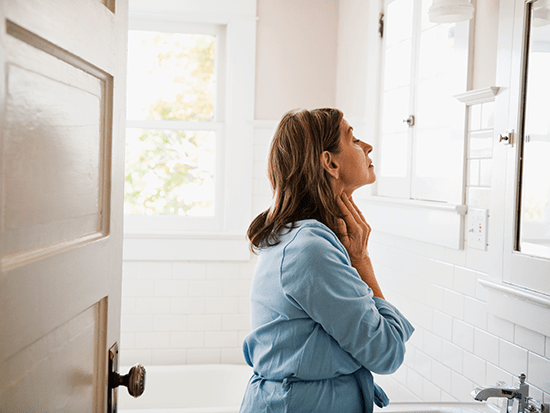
(477, 228)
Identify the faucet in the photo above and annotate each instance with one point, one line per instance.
(521, 393)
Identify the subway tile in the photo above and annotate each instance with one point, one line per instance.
(432, 345)
(495, 374)
(547, 347)
(244, 305)
(461, 387)
(446, 397)
(478, 260)
(475, 312)
(128, 305)
(414, 382)
(188, 270)
(452, 356)
(186, 339)
(512, 358)
(465, 281)
(204, 322)
(480, 290)
(539, 372)
(131, 357)
(442, 376)
(221, 305)
(434, 295)
(500, 327)
(222, 270)
(154, 270)
(246, 271)
(463, 335)
(205, 288)
(127, 340)
(137, 288)
(455, 257)
(171, 288)
(430, 392)
(233, 356)
(236, 288)
(530, 340)
(136, 323)
(203, 356)
(172, 322)
(169, 357)
(486, 346)
(441, 273)
(220, 339)
(423, 364)
(442, 325)
(474, 368)
(152, 305)
(235, 322)
(129, 270)
(152, 340)
(187, 305)
(453, 304)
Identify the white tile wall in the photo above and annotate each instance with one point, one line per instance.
(198, 312)
(464, 346)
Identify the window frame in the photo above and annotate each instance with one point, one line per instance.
(190, 238)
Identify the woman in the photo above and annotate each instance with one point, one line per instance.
(320, 323)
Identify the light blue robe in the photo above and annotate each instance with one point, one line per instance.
(317, 330)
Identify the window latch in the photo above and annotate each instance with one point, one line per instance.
(409, 120)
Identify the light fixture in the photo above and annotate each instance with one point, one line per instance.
(450, 11)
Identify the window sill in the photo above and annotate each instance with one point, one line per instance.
(519, 306)
(179, 246)
(432, 222)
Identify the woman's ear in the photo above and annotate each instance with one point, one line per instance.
(330, 164)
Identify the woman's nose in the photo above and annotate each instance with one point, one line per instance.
(367, 147)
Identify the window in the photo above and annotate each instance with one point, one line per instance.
(175, 124)
(189, 130)
(421, 137)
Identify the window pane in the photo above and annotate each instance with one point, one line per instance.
(534, 236)
(170, 76)
(170, 172)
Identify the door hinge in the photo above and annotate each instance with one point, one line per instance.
(381, 25)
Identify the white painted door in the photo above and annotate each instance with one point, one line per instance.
(62, 98)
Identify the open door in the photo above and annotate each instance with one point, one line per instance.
(62, 99)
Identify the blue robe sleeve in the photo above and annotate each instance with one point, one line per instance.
(317, 278)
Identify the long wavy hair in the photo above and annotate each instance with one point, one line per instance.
(301, 186)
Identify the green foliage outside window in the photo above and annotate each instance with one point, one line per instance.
(171, 77)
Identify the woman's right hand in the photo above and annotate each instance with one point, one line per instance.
(354, 229)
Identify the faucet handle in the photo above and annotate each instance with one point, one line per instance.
(536, 407)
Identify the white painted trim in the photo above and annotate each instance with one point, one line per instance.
(473, 97)
(432, 222)
(518, 305)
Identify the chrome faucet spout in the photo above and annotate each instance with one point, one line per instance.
(501, 390)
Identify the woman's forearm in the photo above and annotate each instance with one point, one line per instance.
(366, 272)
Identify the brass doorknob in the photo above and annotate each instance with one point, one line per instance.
(134, 380)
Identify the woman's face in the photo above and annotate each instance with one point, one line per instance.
(356, 168)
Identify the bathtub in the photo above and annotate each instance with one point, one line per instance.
(219, 388)
(207, 388)
(438, 407)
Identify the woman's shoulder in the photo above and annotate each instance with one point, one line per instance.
(310, 236)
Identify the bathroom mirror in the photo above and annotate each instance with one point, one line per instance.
(533, 218)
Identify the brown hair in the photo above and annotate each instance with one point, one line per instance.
(301, 186)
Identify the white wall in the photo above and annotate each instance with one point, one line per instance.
(295, 56)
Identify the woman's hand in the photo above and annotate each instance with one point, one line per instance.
(354, 234)
(354, 229)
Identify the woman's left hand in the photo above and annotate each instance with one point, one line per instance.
(354, 229)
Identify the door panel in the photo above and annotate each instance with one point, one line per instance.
(63, 64)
